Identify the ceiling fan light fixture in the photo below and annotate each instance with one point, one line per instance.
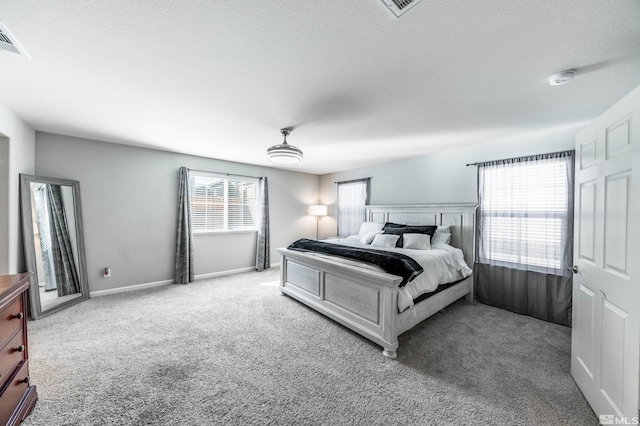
(284, 153)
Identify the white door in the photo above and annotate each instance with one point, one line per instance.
(605, 340)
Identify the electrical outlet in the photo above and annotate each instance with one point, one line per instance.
(106, 273)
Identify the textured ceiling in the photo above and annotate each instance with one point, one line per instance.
(219, 79)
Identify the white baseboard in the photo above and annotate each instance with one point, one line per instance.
(229, 272)
(131, 288)
(167, 282)
(223, 273)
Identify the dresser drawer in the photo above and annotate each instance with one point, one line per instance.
(11, 355)
(12, 392)
(10, 320)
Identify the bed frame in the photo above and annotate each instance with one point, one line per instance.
(366, 300)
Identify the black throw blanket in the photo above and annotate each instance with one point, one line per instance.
(393, 263)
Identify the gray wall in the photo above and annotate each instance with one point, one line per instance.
(129, 203)
(17, 144)
(441, 177)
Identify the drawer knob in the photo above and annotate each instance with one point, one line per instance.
(19, 348)
(19, 315)
(25, 380)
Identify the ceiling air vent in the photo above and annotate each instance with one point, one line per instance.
(8, 42)
(398, 7)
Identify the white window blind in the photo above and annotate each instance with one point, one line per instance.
(223, 203)
(524, 214)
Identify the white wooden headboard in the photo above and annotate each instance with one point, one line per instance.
(461, 217)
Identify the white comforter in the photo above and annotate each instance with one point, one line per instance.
(442, 264)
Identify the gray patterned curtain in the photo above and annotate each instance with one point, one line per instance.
(263, 260)
(64, 265)
(184, 245)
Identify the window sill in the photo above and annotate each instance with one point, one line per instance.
(524, 267)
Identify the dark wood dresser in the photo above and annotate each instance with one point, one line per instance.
(17, 397)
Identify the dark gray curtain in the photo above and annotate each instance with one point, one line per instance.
(263, 260)
(525, 235)
(184, 244)
(64, 265)
(44, 236)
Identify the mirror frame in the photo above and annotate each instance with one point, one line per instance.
(29, 243)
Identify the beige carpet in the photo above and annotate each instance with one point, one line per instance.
(234, 351)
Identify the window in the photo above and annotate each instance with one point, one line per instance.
(352, 199)
(223, 203)
(525, 213)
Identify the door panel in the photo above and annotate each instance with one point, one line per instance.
(615, 222)
(587, 211)
(614, 322)
(584, 329)
(587, 154)
(618, 141)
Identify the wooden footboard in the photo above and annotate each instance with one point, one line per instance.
(362, 299)
(366, 300)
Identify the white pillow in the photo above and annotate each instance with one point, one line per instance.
(367, 238)
(369, 227)
(444, 228)
(385, 240)
(441, 238)
(416, 241)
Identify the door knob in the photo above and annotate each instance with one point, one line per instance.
(573, 269)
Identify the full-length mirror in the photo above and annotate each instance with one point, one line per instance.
(53, 243)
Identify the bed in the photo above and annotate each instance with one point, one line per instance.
(365, 299)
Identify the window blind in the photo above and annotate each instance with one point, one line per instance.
(524, 213)
(222, 203)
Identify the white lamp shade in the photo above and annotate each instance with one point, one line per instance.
(317, 210)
